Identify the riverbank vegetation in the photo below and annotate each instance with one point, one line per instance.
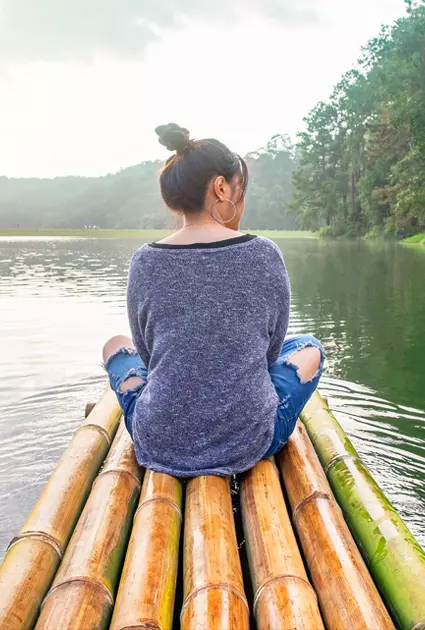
(417, 239)
(130, 199)
(143, 235)
(362, 157)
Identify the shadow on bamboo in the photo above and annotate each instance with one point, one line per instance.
(34, 555)
(283, 597)
(213, 586)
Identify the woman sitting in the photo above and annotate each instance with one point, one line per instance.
(208, 384)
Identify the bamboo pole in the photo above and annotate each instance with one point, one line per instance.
(147, 588)
(283, 596)
(34, 555)
(83, 591)
(347, 595)
(392, 554)
(213, 585)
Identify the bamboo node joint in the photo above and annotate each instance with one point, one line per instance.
(145, 624)
(160, 500)
(339, 458)
(82, 580)
(97, 428)
(38, 535)
(279, 578)
(120, 471)
(226, 586)
(311, 497)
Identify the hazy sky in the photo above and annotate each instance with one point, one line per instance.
(83, 83)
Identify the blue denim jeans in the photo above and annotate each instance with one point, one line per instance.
(293, 394)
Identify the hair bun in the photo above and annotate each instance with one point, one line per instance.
(173, 137)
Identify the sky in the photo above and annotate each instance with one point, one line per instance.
(84, 83)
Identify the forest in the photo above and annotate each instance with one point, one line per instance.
(358, 167)
(361, 159)
(131, 197)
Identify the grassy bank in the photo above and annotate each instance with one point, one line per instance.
(417, 239)
(277, 234)
(145, 235)
(140, 234)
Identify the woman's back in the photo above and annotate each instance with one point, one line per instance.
(208, 384)
(207, 319)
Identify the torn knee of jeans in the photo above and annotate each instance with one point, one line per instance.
(132, 381)
(306, 374)
(123, 350)
(304, 380)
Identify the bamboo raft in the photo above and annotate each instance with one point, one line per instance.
(109, 545)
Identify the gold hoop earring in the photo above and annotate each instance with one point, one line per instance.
(221, 200)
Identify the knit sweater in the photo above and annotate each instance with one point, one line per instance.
(208, 319)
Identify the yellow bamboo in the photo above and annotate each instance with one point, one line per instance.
(283, 597)
(348, 597)
(34, 555)
(213, 586)
(147, 588)
(83, 591)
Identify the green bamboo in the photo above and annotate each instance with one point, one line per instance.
(34, 555)
(394, 557)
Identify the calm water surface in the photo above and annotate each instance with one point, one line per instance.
(60, 299)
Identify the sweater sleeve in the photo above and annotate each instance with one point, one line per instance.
(281, 306)
(134, 298)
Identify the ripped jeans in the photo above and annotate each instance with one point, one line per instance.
(293, 394)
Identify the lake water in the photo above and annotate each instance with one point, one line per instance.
(61, 299)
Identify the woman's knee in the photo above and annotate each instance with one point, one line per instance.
(309, 359)
(308, 362)
(115, 343)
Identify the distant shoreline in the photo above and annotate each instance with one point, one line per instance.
(139, 234)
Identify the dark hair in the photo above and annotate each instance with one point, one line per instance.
(186, 175)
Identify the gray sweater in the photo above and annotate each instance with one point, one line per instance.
(208, 320)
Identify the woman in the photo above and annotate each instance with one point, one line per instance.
(210, 386)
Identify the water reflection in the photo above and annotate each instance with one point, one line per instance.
(61, 298)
